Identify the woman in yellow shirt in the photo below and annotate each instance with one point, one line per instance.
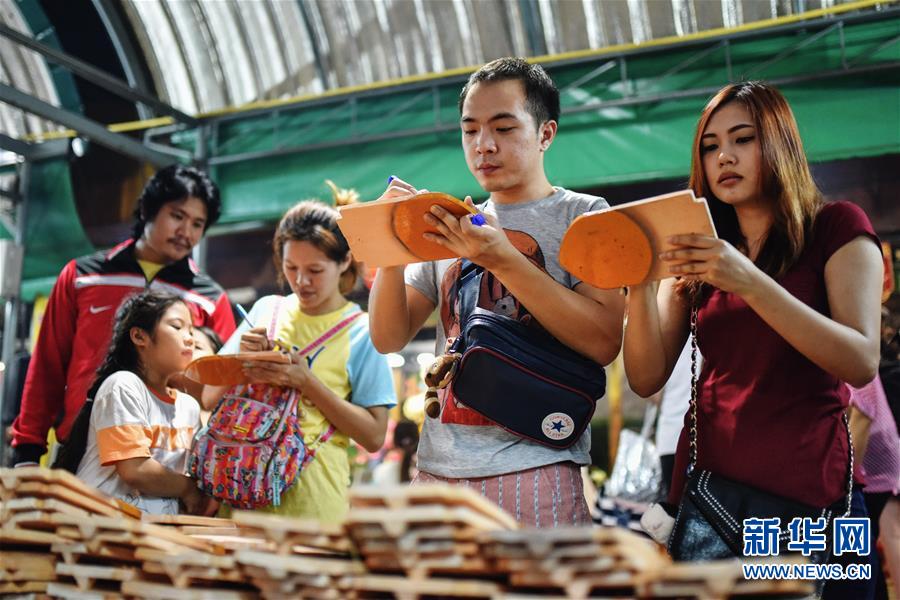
(345, 382)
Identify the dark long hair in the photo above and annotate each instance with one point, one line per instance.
(144, 311)
(786, 179)
(406, 438)
(215, 341)
(314, 222)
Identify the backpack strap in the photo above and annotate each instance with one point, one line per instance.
(275, 313)
(329, 431)
(331, 332)
(320, 441)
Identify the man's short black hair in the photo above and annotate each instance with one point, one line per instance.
(174, 183)
(541, 95)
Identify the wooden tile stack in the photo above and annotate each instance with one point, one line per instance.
(718, 580)
(62, 538)
(289, 535)
(222, 532)
(312, 576)
(25, 569)
(303, 559)
(573, 562)
(104, 547)
(135, 558)
(423, 535)
(406, 588)
(34, 502)
(38, 483)
(189, 569)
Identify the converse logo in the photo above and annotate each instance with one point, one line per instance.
(558, 426)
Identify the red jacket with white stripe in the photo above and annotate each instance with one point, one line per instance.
(77, 327)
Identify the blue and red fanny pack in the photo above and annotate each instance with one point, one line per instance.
(521, 377)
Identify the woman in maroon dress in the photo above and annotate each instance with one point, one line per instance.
(787, 301)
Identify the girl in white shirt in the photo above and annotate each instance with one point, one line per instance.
(140, 429)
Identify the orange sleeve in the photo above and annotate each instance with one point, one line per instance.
(121, 442)
(170, 438)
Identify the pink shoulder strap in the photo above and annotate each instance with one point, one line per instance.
(346, 321)
(275, 313)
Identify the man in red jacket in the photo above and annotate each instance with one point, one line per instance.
(175, 209)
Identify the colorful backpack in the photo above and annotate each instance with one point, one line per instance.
(252, 448)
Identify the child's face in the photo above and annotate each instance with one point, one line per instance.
(172, 346)
(202, 345)
(313, 276)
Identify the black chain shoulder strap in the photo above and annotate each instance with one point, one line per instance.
(692, 440)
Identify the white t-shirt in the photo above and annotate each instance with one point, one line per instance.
(676, 398)
(130, 421)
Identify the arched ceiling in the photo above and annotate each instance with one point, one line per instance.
(24, 70)
(206, 55)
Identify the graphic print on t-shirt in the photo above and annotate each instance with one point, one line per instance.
(310, 359)
(492, 296)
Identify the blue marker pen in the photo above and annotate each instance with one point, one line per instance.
(244, 315)
(477, 220)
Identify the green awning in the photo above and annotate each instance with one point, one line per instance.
(842, 80)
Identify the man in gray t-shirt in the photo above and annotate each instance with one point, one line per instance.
(509, 113)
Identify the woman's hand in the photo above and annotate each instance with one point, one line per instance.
(713, 261)
(295, 374)
(255, 340)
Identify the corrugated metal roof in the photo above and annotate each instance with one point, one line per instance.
(205, 55)
(24, 70)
